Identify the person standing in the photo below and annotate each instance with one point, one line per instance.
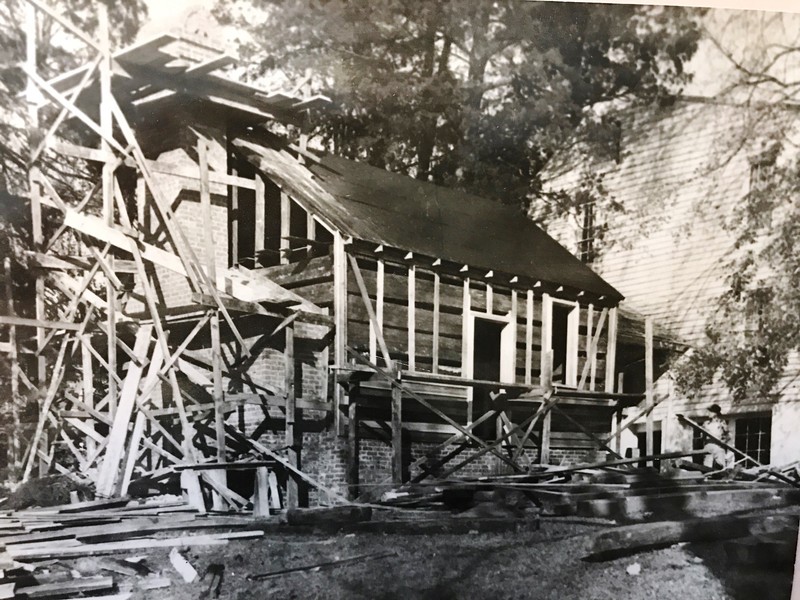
(716, 426)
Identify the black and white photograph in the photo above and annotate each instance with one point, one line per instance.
(399, 299)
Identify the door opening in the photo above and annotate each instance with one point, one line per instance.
(486, 365)
(561, 314)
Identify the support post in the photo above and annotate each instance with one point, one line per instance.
(260, 221)
(286, 218)
(412, 318)
(234, 222)
(648, 384)
(15, 454)
(547, 389)
(467, 344)
(397, 432)
(216, 346)
(340, 320)
(529, 338)
(87, 367)
(352, 450)
(436, 325)
(292, 495)
(611, 351)
(36, 214)
(376, 326)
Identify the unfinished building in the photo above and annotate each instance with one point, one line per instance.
(220, 300)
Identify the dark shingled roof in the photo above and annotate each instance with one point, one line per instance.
(401, 212)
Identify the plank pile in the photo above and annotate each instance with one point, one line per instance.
(35, 541)
(610, 490)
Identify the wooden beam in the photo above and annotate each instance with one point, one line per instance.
(376, 327)
(467, 342)
(352, 449)
(648, 385)
(292, 491)
(624, 425)
(87, 372)
(44, 409)
(64, 102)
(611, 352)
(548, 400)
(409, 392)
(260, 448)
(340, 318)
(47, 140)
(591, 354)
(512, 316)
(109, 470)
(397, 433)
(205, 208)
(286, 231)
(42, 324)
(529, 337)
(65, 23)
(218, 391)
(547, 337)
(234, 220)
(15, 448)
(311, 233)
(433, 459)
(412, 319)
(370, 311)
(436, 325)
(260, 217)
(133, 453)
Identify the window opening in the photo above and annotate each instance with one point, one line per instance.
(753, 436)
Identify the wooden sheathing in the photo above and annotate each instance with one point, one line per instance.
(579, 425)
(438, 303)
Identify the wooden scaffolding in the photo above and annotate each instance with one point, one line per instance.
(126, 394)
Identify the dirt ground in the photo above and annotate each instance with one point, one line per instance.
(533, 564)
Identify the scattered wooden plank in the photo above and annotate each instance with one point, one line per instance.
(328, 515)
(62, 588)
(124, 546)
(182, 566)
(261, 493)
(623, 541)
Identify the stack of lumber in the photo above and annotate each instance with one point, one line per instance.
(607, 490)
(34, 542)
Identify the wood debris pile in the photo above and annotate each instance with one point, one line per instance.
(621, 490)
(93, 533)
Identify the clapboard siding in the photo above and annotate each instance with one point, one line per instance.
(681, 175)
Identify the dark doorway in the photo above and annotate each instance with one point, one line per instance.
(559, 343)
(242, 221)
(486, 356)
(641, 438)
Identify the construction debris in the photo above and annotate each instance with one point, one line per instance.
(630, 539)
(182, 566)
(104, 528)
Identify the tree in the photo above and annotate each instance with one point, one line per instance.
(56, 52)
(468, 93)
(755, 327)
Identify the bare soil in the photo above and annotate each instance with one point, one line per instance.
(542, 564)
